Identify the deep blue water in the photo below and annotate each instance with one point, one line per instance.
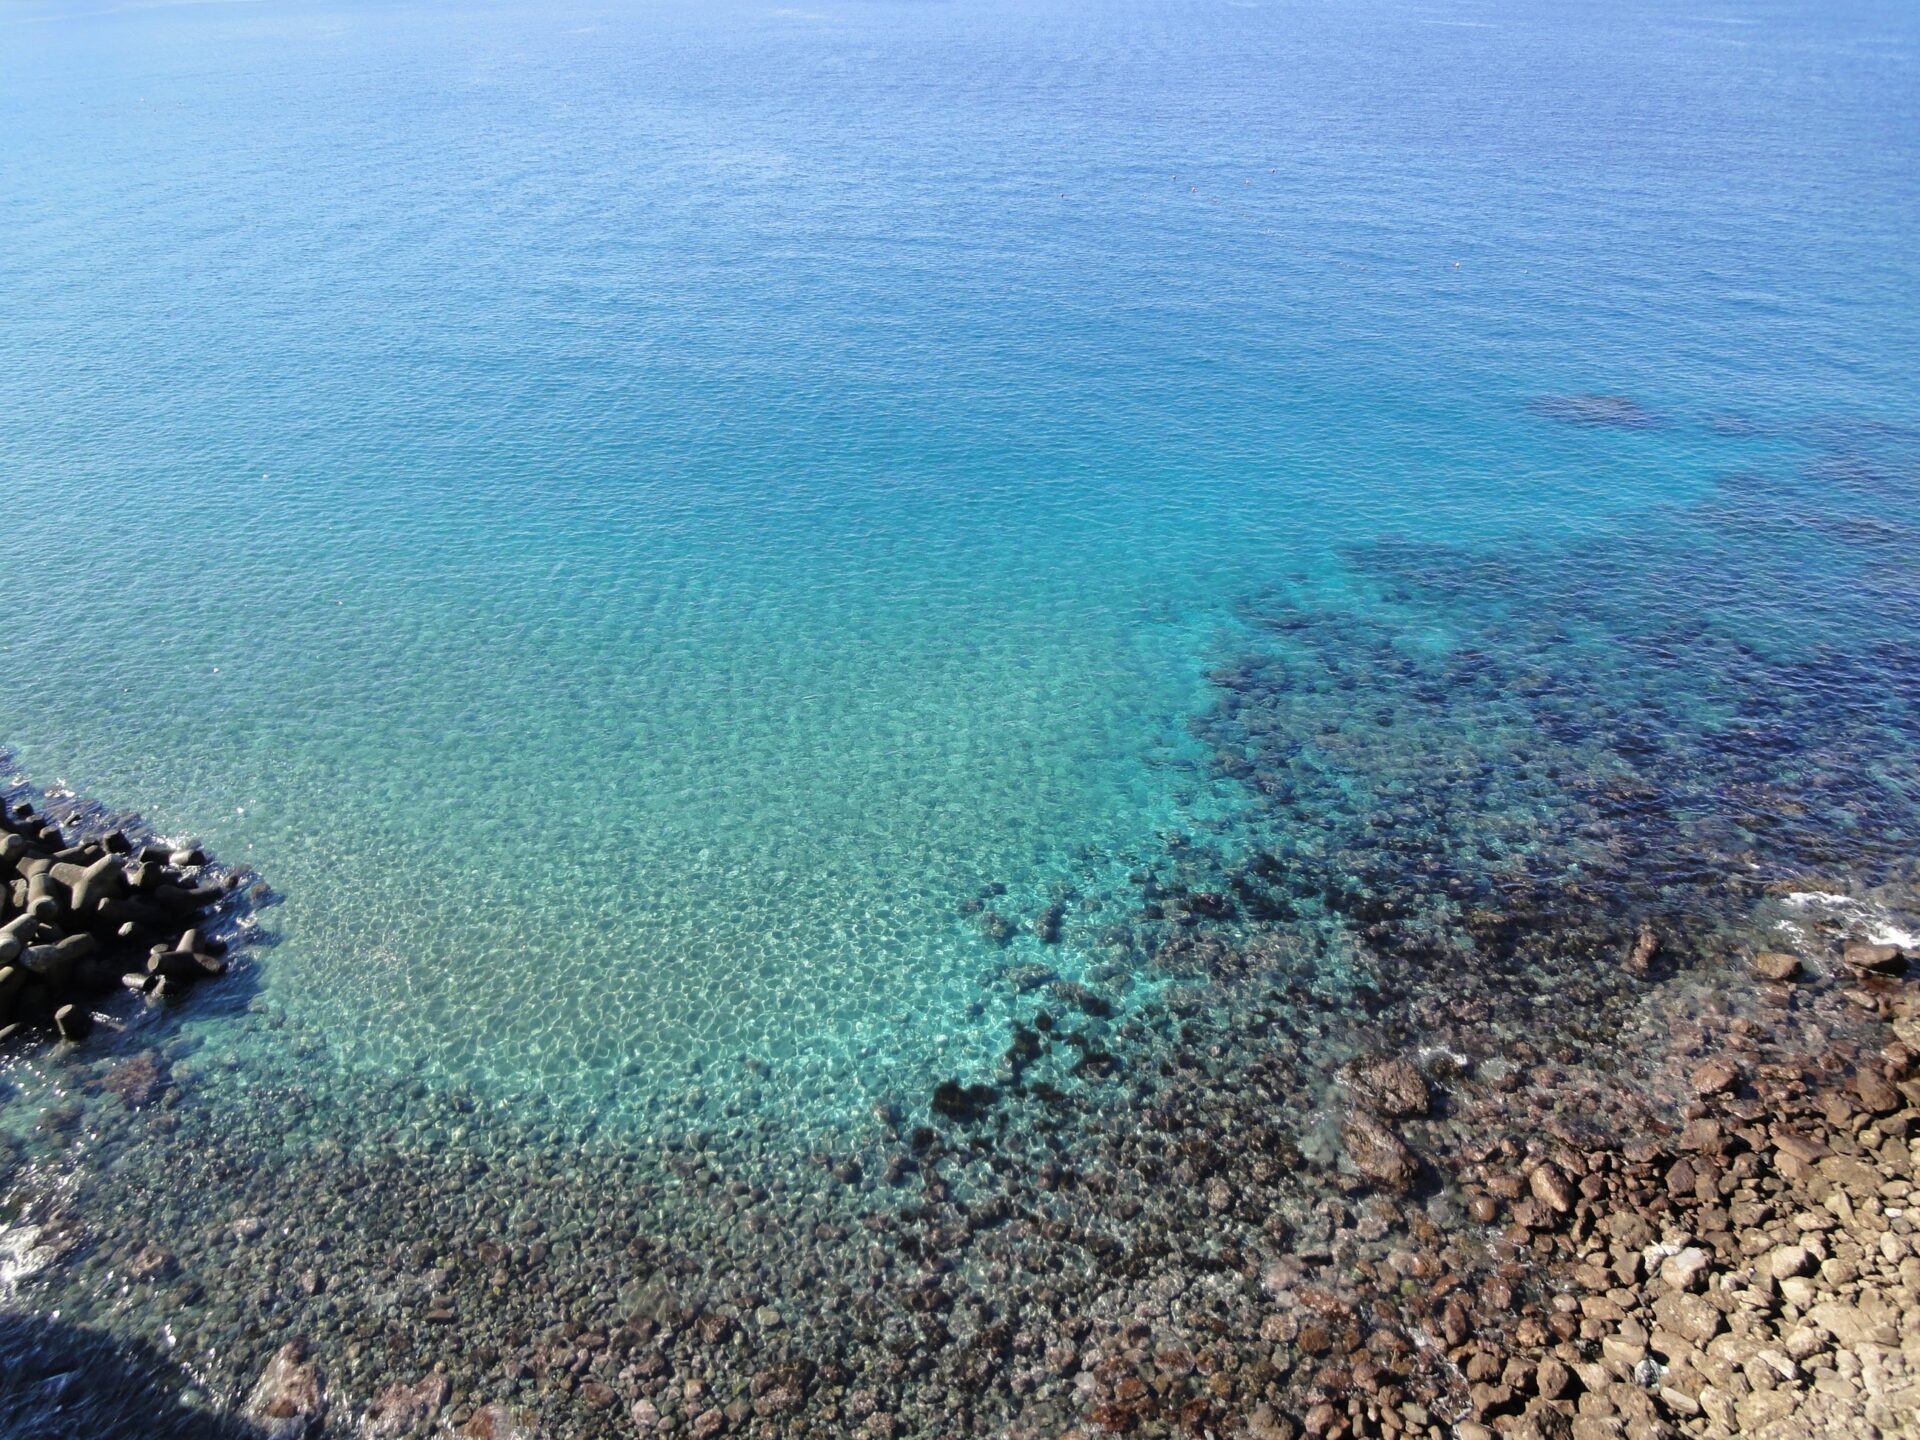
(631, 516)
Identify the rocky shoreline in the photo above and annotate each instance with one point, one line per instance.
(1755, 1273)
(1717, 1240)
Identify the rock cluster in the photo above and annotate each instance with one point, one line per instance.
(1756, 1272)
(80, 917)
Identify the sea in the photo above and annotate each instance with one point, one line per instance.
(701, 549)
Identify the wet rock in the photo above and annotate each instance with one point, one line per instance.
(1551, 1188)
(73, 1022)
(137, 1082)
(1388, 1085)
(1027, 978)
(1088, 1002)
(1772, 965)
(1715, 1077)
(152, 1263)
(1617, 412)
(1377, 1152)
(1046, 925)
(995, 926)
(289, 1401)
(497, 1422)
(1639, 959)
(400, 1408)
(1874, 959)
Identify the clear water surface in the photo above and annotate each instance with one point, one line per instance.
(631, 515)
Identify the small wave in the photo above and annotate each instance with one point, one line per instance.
(1875, 922)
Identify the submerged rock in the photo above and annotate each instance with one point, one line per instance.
(1715, 1077)
(1646, 945)
(962, 1102)
(1775, 966)
(1046, 925)
(1389, 1085)
(497, 1422)
(400, 1408)
(137, 1082)
(289, 1402)
(1377, 1152)
(1614, 411)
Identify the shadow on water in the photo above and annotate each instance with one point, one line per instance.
(60, 1381)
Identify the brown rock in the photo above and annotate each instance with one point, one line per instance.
(1774, 966)
(1646, 945)
(1876, 1092)
(496, 1422)
(1853, 1326)
(1789, 1261)
(1715, 1077)
(1691, 1317)
(152, 1263)
(137, 1082)
(401, 1408)
(1377, 1153)
(1874, 959)
(1389, 1085)
(1551, 1188)
(1685, 1268)
(1552, 1379)
(289, 1402)
(1803, 1148)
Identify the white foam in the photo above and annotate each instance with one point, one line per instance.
(21, 1255)
(1874, 921)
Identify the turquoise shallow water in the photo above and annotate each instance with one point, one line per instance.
(632, 517)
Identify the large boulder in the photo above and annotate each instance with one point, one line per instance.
(1376, 1152)
(1390, 1085)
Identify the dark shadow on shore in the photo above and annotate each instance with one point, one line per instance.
(60, 1381)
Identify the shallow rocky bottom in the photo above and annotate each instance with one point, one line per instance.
(1497, 1065)
(1271, 1217)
